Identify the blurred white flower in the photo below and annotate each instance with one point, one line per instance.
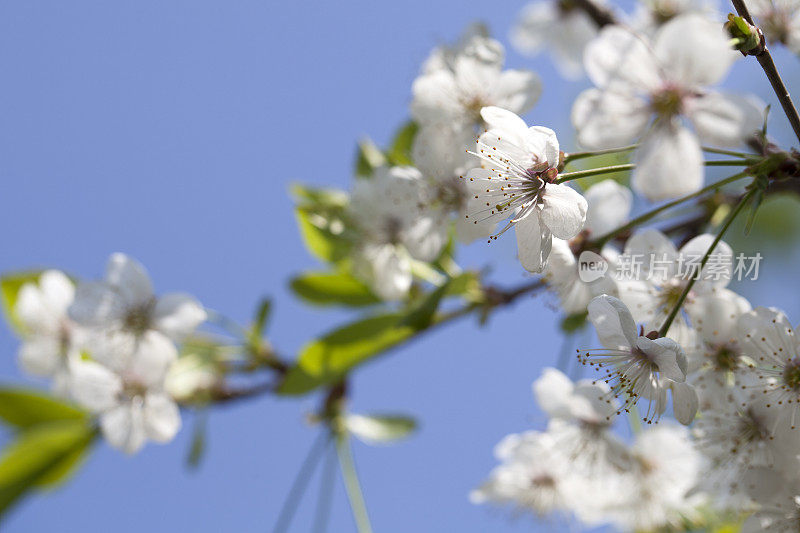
(645, 90)
(559, 25)
(517, 183)
(121, 313)
(396, 225)
(637, 366)
(50, 338)
(609, 207)
(779, 20)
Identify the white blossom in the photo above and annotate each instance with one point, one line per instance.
(779, 20)
(395, 227)
(638, 366)
(562, 27)
(50, 337)
(648, 90)
(517, 183)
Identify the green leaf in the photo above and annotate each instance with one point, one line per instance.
(400, 151)
(27, 408)
(465, 283)
(321, 237)
(368, 158)
(422, 315)
(330, 357)
(197, 449)
(10, 285)
(332, 288)
(43, 455)
(572, 323)
(380, 429)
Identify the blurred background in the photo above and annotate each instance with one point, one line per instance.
(170, 130)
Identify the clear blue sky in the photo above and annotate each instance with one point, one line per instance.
(170, 130)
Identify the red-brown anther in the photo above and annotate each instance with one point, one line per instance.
(653, 335)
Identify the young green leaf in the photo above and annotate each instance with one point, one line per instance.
(10, 285)
(332, 288)
(368, 158)
(422, 315)
(26, 408)
(43, 455)
(400, 151)
(380, 429)
(330, 357)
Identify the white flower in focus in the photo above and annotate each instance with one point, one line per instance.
(648, 90)
(779, 20)
(609, 207)
(50, 338)
(517, 183)
(532, 475)
(664, 470)
(637, 366)
(456, 95)
(560, 25)
(395, 227)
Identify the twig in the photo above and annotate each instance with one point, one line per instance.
(768, 65)
(600, 15)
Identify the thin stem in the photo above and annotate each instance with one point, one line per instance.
(720, 151)
(602, 240)
(325, 493)
(574, 156)
(730, 162)
(351, 484)
(569, 176)
(768, 65)
(300, 483)
(728, 221)
(599, 15)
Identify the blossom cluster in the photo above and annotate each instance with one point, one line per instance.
(110, 346)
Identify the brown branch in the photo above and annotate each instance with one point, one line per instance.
(600, 15)
(764, 58)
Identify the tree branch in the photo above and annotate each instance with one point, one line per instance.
(764, 58)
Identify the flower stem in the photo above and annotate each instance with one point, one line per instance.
(712, 150)
(728, 221)
(351, 483)
(603, 239)
(768, 65)
(574, 156)
(730, 162)
(569, 176)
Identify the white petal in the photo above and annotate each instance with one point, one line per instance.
(34, 312)
(718, 269)
(516, 90)
(40, 356)
(177, 315)
(666, 354)
(152, 358)
(715, 316)
(386, 269)
(609, 205)
(545, 143)
(552, 391)
(534, 241)
(123, 427)
(435, 98)
(684, 402)
(97, 304)
(725, 119)
(130, 279)
(619, 57)
(563, 210)
(613, 322)
(162, 419)
(426, 237)
(694, 50)
(94, 386)
(609, 119)
(57, 290)
(669, 163)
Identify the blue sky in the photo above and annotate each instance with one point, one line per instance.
(170, 131)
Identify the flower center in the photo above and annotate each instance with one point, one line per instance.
(671, 293)
(791, 375)
(667, 102)
(542, 481)
(137, 320)
(724, 358)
